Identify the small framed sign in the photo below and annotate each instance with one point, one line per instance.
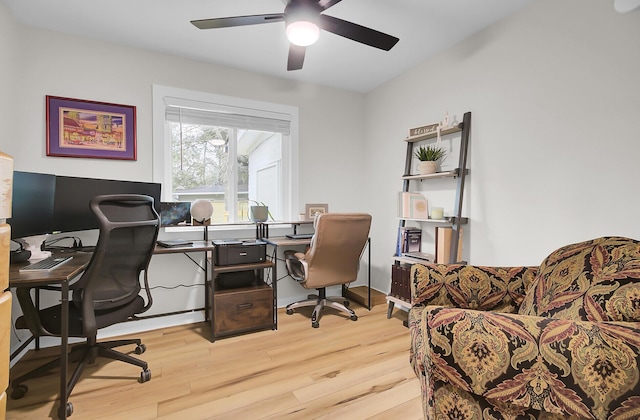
(311, 210)
(425, 129)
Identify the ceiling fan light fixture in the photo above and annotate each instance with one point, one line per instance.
(302, 33)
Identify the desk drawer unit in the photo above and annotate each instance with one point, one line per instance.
(242, 309)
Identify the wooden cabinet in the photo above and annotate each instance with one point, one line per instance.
(243, 309)
(447, 231)
(6, 183)
(242, 303)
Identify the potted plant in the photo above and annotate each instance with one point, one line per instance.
(429, 157)
(259, 212)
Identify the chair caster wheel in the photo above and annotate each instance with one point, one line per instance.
(67, 411)
(315, 324)
(140, 348)
(19, 391)
(354, 317)
(346, 303)
(289, 311)
(145, 376)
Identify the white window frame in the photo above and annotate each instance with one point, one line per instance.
(164, 95)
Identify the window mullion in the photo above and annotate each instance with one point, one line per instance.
(232, 176)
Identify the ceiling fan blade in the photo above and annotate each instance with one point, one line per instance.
(296, 57)
(325, 4)
(358, 33)
(228, 22)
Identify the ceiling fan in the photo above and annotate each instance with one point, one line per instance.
(303, 20)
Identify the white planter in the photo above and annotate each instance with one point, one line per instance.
(259, 213)
(426, 167)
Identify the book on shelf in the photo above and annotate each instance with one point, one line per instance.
(409, 240)
(443, 244)
(412, 206)
(401, 282)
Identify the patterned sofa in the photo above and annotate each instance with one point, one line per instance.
(557, 341)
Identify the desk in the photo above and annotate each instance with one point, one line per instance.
(284, 241)
(60, 275)
(195, 246)
(262, 228)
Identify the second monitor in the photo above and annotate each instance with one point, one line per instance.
(175, 213)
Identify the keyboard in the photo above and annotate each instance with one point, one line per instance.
(46, 264)
(300, 236)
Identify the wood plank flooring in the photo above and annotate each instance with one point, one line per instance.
(344, 369)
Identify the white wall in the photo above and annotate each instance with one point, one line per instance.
(554, 141)
(555, 97)
(36, 63)
(7, 71)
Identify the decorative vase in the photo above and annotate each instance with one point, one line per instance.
(426, 167)
(259, 213)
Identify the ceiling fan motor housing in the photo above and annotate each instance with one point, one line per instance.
(305, 10)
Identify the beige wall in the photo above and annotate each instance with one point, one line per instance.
(7, 92)
(55, 64)
(35, 63)
(555, 96)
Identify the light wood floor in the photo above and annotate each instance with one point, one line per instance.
(344, 369)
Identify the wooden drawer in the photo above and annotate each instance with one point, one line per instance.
(243, 309)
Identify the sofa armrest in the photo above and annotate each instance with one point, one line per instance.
(499, 289)
(573, 368)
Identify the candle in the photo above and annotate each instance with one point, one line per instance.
(437, 213)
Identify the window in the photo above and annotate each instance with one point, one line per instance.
(227, 150)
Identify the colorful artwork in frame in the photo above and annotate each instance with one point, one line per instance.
(89, 129)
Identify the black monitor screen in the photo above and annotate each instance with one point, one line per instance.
(71, 210)
(175, 213)
(32, 204)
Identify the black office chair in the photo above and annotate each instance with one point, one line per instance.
(106, 293)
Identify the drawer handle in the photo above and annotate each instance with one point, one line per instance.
(244, 305)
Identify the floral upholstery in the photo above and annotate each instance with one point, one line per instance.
(552, 342)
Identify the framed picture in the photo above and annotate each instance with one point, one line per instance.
(311, 210)
(89, 129)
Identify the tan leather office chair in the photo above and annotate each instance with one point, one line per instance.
(333, 258)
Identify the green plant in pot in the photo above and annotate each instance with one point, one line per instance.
(429, 158)
(259, 212)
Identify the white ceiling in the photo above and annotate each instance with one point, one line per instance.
(425, 27)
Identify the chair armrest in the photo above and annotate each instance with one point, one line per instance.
(296, 265)
(574, 368)
(499, 289)
(30, 318)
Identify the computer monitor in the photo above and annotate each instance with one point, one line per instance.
(175, 213)
(71, 210)
(32, 204)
